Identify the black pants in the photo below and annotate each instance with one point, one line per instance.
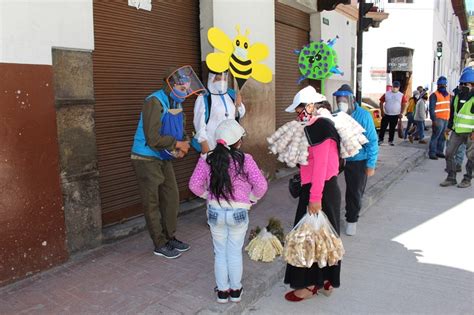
(299, 278)
(356, 180)
(391, 121)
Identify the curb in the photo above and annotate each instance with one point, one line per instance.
(255, 287)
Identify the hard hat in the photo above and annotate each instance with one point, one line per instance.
(467, 76)
(442, 81)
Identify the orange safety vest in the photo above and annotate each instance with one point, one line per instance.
(442, 105)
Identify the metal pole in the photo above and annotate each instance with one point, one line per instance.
(439, 67)
(360, 33)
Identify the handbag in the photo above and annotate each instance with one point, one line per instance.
(295, 186)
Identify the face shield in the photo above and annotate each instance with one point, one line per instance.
(343, 102)
(183, 83)
(217, 82)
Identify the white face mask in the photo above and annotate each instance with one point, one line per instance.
(395, 90)
(219, 87)
(343, 106)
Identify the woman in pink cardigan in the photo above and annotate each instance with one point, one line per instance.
(319, 192)
(231, 182)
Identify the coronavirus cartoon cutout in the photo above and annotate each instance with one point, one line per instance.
(318, 61)
(238, 56)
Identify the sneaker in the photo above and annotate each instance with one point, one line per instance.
(448, 182)
(178, 245)
(464, 183)
(422, 142)
(236, 295)
(380, 142)
(433, 157)
(351, 228)
(441, 155)
(222, 296)
(167, 251)
(391, 143)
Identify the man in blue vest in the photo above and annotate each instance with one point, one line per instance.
(160, 138)
(362, 165)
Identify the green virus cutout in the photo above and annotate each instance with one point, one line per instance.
(318, 60)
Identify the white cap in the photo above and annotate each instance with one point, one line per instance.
(306, 95)
(229, 132)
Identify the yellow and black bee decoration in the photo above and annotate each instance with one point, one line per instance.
(238, 56)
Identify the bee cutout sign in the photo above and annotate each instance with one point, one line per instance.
(238, 56)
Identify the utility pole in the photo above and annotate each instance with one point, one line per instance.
(362, 25)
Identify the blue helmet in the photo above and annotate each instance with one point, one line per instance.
(442, 81)
(467, 75)
(344, 90)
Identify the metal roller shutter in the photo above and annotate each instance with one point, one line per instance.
(133, 49)
(292, 29)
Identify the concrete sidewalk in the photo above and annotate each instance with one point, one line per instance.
(126, 278)
(412, 255)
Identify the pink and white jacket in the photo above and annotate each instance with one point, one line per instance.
(246, 191)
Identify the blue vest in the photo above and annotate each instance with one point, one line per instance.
(171, 125)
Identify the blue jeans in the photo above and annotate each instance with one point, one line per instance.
(420, 129)
(228, 229)
(438, 140)
(411, 121)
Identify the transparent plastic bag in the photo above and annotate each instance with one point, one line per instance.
(313, 240)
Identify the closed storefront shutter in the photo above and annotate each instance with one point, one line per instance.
(292, 28)
(133, 49)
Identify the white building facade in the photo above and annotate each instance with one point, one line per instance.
(417, 25)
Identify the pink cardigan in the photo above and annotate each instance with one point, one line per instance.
(323, 163)
(246, 191)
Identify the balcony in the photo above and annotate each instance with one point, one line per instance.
(376, 13)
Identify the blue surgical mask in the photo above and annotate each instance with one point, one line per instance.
(178, 96)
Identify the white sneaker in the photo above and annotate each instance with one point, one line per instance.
(351, 229)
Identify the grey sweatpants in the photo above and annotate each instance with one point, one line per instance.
(455, 141)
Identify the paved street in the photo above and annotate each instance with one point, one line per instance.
(412, 255)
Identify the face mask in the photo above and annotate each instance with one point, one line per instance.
(395, 90)
(442, 89)
(343, 106)
(218, 87)
(178, 96)
(465, 89)
(304, 116)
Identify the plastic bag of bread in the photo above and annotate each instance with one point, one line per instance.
(313, 240)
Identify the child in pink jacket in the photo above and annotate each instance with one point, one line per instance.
(231, 182)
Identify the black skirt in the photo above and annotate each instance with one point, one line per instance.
(299, 278)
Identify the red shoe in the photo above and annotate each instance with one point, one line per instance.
(290, 296)
(327, 289)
